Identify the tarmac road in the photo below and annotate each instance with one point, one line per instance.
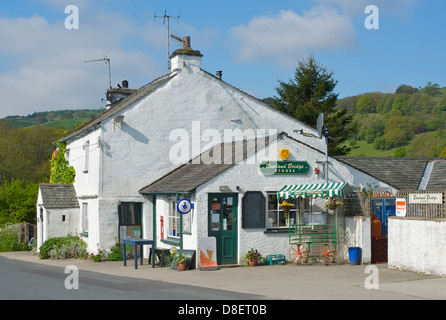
(303, 282)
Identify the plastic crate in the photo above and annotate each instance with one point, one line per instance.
(275, 259)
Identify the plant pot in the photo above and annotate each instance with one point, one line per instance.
(252, 262)
(181, 266)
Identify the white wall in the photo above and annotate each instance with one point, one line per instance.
(417, 245)
(358, 234)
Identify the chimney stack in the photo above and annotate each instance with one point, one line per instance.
(186, 42)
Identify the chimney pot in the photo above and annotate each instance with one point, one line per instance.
(125, 84)
(219, 74)
(186, 42)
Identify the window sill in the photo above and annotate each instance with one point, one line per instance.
(173, 241)
(276, 230)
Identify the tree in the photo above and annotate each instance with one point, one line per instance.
(18, 201)
(366, 104)
(399, 130)
(312, 93)
(404, 88)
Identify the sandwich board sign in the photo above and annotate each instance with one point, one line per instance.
(208, 253)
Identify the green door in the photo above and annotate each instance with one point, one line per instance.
(222, 224)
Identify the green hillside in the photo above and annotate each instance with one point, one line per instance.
(63, 119)
(408, 123)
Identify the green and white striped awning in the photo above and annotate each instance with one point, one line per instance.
(313, 190)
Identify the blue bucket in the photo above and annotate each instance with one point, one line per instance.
(355, 255)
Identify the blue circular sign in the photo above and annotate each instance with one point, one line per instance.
(184, 206)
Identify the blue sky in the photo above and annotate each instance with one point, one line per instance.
(255, 43)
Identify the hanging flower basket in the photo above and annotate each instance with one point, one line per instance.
(286, 206)
(332, 203)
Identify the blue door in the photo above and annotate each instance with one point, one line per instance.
(384, 208)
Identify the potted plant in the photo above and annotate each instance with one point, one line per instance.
(286, 206)
(331, 204)
(252, 257)
(181, 261)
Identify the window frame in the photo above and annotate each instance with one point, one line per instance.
(173, 219)
(302, 205)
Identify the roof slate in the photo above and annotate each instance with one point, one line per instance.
(58, 196)
(438, 176)
(401, 173)
(188, 177)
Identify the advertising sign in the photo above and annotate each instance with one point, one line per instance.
(400, 207)
(184, 206)
(208, 253)
(425, 198)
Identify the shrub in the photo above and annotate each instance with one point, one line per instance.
(116, 253)
(63, 248)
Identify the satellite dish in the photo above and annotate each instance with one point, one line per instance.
(320, 125)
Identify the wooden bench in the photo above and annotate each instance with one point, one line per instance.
(162, 254)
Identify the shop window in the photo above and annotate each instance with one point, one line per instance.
(173, 219)
(276, 218)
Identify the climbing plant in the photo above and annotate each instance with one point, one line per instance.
(60, 172)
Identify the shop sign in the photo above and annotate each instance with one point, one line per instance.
(400, 207)
(425, 198)
(284, 167)
(184, 206)
(382, 193)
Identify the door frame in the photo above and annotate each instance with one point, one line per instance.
(223, 236)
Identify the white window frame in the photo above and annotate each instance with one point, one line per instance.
(86, 148)
(173, 219)
(302, 205)
(84, 217)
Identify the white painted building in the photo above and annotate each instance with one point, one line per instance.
(124, 158)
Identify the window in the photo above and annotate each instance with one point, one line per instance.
(130, 220)
(173, 219)
(130, 213)
(87, 156)
(276, 218)
(84, 219)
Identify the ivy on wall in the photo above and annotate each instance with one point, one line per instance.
(60, 172)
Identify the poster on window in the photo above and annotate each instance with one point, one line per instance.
(208, 253)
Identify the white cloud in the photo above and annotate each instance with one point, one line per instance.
(287, 36)
(356, 7)
(46, 69)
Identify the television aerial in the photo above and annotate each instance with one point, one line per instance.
(167, 17)
(107, 61)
